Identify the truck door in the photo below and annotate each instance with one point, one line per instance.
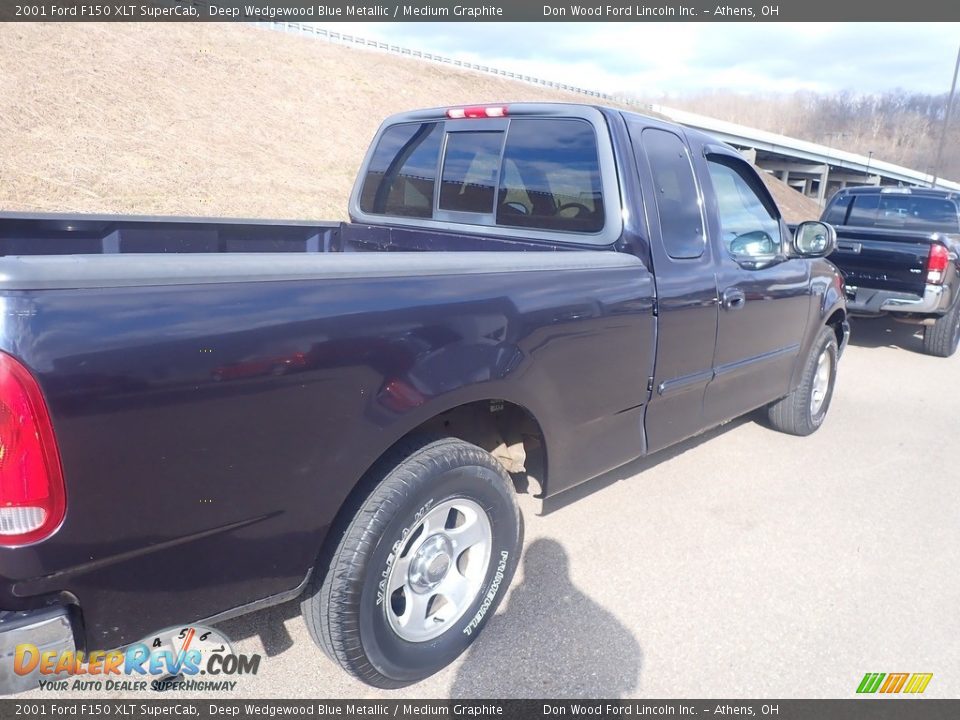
(686, 291)
(764, 299)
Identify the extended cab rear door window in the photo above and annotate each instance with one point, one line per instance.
(402, 173)
(678, 199)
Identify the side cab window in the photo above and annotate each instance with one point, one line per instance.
(749, 219)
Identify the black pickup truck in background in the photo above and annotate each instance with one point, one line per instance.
(899, 252)
(203, 417)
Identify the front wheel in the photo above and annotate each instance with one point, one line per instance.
(941, 338)
(420, 567)
(802, 411)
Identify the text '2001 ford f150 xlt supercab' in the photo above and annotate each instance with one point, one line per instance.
(203, 417)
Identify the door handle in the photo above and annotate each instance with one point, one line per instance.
(734, 299)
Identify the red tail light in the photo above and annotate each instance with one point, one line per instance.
(477, 111)
(32, 498)
(937, 264)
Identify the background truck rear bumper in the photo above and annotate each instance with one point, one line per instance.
(868, 301)
(48, 630)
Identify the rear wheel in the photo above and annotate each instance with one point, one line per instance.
(803, 411)
(941, 338)
(420, 567)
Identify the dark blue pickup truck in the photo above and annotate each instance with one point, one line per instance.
(199, 418)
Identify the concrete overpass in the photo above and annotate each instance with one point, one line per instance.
(817, 171)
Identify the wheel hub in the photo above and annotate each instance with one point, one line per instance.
(430, 564)
(436, 576)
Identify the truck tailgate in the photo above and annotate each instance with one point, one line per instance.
(882, 259)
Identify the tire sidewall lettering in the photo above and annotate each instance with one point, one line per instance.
(490, 595)
(398, 658)
(397, 547)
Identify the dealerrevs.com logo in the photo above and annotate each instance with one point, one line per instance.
(178, 658)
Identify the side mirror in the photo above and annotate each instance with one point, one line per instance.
(753, 245)
(814, 239)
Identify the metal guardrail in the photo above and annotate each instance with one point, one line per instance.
(347, 39)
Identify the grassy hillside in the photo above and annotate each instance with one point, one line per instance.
(209, 119)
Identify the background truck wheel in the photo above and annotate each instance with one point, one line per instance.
(941, 338)
(802, 411)
(421, 565)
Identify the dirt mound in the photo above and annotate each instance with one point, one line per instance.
(796, 207)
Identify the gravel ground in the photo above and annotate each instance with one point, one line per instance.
(742, 563)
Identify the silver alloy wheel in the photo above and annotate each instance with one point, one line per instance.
(439, 569)
(821, 382)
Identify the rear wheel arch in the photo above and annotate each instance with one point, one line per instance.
(508, 431)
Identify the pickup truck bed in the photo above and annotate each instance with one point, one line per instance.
(206, 393)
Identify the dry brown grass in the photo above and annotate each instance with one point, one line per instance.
(205, 119)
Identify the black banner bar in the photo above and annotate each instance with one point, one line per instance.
(474, 11)
(878, 708)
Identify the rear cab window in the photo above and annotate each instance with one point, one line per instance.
(836, 212)
(523, 176)
(895, 209)
(402, 171)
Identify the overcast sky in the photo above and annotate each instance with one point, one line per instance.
(674, 58)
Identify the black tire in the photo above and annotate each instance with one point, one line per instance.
(941, 338)
(794, 414)
(345, 608)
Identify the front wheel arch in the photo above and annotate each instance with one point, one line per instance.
(800, 413)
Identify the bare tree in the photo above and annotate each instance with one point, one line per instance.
(897, 126)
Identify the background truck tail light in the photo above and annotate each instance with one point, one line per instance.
(32, 498)
(937, 264)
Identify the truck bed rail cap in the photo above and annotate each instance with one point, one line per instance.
(133, 270)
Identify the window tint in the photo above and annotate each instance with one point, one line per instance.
(917, 212)
(863, 211)
(403, 171)
(836, 213)
(903, 210)
(678, 203)
(470, 166)
(551, 177)
(747, 225)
